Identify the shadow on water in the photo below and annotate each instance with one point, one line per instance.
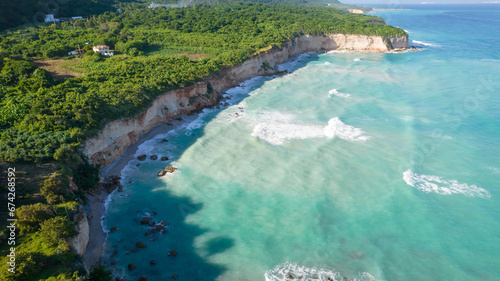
(147, 194)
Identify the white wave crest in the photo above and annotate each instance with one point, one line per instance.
(283, 272)
(277, 133)
(429, 183)
(426, 44)
(357, 59)
(335, 92)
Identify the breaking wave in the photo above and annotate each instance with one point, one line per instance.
(335, 92)
(424, 44)
(277, 133)
(289, 271)
(429, 183)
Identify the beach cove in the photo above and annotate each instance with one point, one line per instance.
(356, 165)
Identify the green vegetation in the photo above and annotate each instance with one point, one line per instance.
(46, 119)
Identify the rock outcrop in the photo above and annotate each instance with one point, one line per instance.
(117, 135)
(80, 242)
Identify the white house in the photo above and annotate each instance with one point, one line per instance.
(76, 18)
(50, 18)
(103, 50)
(72, 53)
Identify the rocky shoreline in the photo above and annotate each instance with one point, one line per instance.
(115, 145)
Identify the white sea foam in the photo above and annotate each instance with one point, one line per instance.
(357, 59)
(429, 183)
(337, 128)
(280, 273)
(426, 44)
(335, 92)
(276, 132)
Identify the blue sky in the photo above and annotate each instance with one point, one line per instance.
(414, 1)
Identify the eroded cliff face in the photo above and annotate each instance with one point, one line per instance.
(117, 135)
(80, 242)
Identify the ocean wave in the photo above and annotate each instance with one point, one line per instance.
(277, 133)
(284, 272)
(335, 92)
(424, 44)
(429, 183)
(357, 59)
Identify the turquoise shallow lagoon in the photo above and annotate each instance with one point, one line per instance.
(368, 166)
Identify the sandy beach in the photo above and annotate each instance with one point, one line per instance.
(96, 208)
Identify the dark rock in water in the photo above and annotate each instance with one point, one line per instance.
(170, 124)
(161, 173)
(159, 227)
(164, 158)
(145, 220)
(147, 233)
(174, 276)
(119, 279)
(153, 213)
(141, 157)
(130, 181)
(140, 245)
(153, 262)
(131, 266)
(114, 262)
(153, 238)
(153, 157)
(152, 224)
(289, 276)
(172, 253)
(164, 223)
(357, 255)
(115, 252)
(143, 278)
(169, 169)
(164, 140)
(113, 229)
(134, 250)
(138, 165)
(179, 119)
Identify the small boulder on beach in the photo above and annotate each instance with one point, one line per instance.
(140, 245)
(145, 220)
(131, 266)
(141, 157)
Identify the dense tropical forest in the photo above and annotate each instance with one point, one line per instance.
(32, 12)
(44, 117)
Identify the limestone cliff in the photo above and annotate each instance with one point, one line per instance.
(111, 141)
(79, 242)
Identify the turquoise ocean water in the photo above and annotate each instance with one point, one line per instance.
(367, 166)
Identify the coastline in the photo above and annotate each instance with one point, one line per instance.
(231, 78)
(96, 209)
